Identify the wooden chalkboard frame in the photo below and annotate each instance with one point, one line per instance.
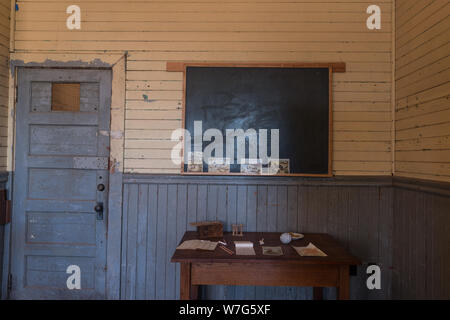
(332, 67)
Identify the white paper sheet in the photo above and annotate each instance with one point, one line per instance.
(244, 248)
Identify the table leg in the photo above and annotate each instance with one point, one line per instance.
(343, 291)
(317, 293)
(194, 292)
(187, 290)
(185, 281)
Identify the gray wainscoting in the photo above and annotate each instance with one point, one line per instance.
(157, 211)
(421, 250)
(3, 181)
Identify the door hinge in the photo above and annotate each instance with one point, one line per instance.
(9, 284)
(17, 94)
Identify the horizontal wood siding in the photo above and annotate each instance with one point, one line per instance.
(421, 256)
(250, 31)
(4, 80)
(422, 125)
(156, 213)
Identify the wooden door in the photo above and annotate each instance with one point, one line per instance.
(60, 180)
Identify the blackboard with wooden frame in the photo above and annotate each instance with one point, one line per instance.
(330, 67)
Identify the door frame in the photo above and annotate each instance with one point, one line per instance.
(116, 63)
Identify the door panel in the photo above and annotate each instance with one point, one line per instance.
(42, 271)
(50, 227)
(61, 157)
(62, 184)
(47, 140)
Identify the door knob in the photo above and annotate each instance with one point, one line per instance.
(99, 209)
(101, 187)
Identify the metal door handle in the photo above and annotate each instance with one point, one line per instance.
(99, 209)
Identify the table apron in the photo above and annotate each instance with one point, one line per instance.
(255, 274)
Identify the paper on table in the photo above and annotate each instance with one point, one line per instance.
(272, 251)
(198, 245)
(244, 248)
(309, 251)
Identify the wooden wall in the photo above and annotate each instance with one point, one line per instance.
(3, 181)
(255, 30)
(157, 211)
(4, 92)
(2, 235)
(4, 80)
(422, 147)
(421, 255)
(403, 225)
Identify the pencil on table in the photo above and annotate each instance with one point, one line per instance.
(226, 250)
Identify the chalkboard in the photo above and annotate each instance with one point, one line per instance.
(293, 100)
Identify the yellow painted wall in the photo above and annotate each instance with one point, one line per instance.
(422, 89)
(4, 79)
(250, 31)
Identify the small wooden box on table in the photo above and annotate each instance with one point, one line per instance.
(219, 268)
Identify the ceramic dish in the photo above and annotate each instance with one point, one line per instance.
(296, 236)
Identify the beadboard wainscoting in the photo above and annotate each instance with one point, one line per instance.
(157, 211)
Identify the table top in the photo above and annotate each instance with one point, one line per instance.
(336, 253)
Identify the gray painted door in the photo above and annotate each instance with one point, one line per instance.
(61, 159)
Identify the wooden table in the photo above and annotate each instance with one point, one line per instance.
(219, 268)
